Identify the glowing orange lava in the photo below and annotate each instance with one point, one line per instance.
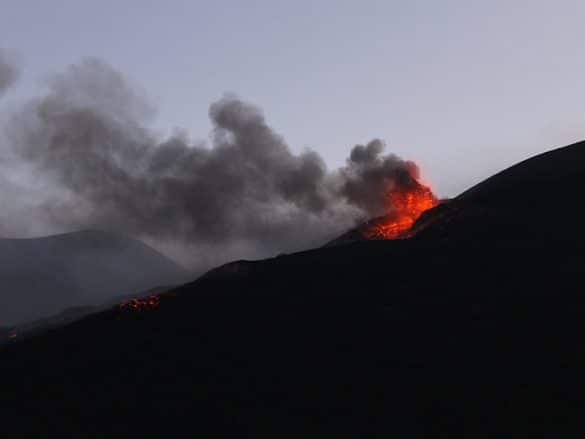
(144, 304)
(407, 205)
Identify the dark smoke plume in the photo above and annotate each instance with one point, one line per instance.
(8, 72)
(244, 195)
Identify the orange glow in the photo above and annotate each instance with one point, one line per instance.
(144, 304)
(407, 205)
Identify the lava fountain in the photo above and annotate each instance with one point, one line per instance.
(406, 204)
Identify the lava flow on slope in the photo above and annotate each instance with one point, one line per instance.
(141, 304)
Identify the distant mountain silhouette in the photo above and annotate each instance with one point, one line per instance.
(42, 276)
(472, 328)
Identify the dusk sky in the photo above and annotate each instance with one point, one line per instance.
(462, 87)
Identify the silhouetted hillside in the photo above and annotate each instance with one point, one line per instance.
(473, 328)
(43, 276)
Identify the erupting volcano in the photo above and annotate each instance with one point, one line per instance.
(407, 204)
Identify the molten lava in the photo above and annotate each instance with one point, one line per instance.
(144, 304)
(407, 205)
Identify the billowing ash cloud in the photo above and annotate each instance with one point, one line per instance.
(369, 175)
(244, 195)
(8, 72)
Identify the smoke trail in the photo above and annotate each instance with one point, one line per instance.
(8, 72)
(245, 194)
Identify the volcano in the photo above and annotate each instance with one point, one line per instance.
(406, 203)
(472, 326)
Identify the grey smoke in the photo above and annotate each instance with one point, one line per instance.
(369, 175)
(8, 72)
(243, 195)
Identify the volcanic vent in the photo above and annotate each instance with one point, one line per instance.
(406, 199)
(406, 205)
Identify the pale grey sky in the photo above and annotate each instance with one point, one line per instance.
(463, 87)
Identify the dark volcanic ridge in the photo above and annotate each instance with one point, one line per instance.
(535, 198)
(472, 327)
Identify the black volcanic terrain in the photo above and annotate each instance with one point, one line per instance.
(43, 276)
(474, 327)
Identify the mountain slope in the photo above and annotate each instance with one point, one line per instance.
(42, 276)
(538, 196)
(459, 331)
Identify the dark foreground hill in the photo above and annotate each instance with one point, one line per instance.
(472, 328)
(43, 276)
